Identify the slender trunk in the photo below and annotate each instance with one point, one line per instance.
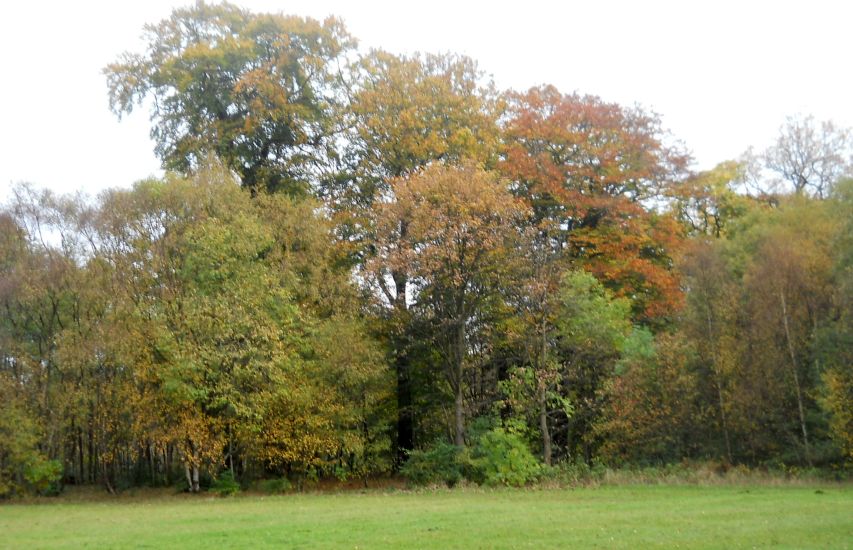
(106, 478)
(81, 469)
(167, 460)
(459, 434)
(543, 425)
(796, 376)
(191, 467)
(405, 417)
(91, 445)
(543, 399)
(188, 474)
(719, 383)
(230, 452)
(459, 356)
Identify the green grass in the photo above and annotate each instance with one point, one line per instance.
(604, 517)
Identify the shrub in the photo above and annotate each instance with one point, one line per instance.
(275, 486)
(44, 475)
(502, 458)
(225, 485)
(441, 463)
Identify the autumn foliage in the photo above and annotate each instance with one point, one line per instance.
(359, 259)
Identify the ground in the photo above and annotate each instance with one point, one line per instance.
(602, 517)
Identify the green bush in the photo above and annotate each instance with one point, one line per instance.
(502, 458)
(441, 463)
(274, 486)
(225, 485)
(44, 475)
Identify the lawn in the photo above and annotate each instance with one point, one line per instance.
(605, 517)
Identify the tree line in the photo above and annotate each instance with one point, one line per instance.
(358, 257)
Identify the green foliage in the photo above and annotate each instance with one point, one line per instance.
(591, 318)
(496, 457)
(502, 458)
(255, 90)
(274, 486)
(225, 485)
(637, 348)
(442, 463)
(43, 475)
(23, 467)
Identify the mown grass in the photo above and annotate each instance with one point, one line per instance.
(655, 516)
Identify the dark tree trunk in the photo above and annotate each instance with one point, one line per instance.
(405, 414)
(405, 418)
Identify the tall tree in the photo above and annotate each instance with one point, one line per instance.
(811, 156)
(460, 223)
(711, 321)
(591, 167)
(406, 112)
(255, 90)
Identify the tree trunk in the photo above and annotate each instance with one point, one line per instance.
(543, 399)
(405, 417)
(543, 425)
(191, 467)
(81, 469)
(195, 478)
(459, 403)
(459, 435)
(796, 375)
(719, 383)
(189, 476)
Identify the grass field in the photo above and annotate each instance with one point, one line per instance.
(605, 517)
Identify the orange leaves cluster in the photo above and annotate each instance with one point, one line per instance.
(594, 169)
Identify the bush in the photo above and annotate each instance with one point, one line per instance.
(275, 486)
(44, 475)
(225, 485)
(441, 463)
(502, 458)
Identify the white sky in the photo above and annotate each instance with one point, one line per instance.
(723, 74)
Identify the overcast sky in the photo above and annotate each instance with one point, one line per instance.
(722, 74)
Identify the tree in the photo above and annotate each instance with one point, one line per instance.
(256, 90)
(182, 322)
(650, 412)
(787, 277)
(710, 321)
(405, 113)
(531, 334)
(590, 167)
(234, 357)
(811, 156)
(835, 351)
(707, 202)
(459, 223)
(593, 327)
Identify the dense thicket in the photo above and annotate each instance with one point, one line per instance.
(357, 259)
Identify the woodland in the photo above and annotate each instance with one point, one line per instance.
(362, 264)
